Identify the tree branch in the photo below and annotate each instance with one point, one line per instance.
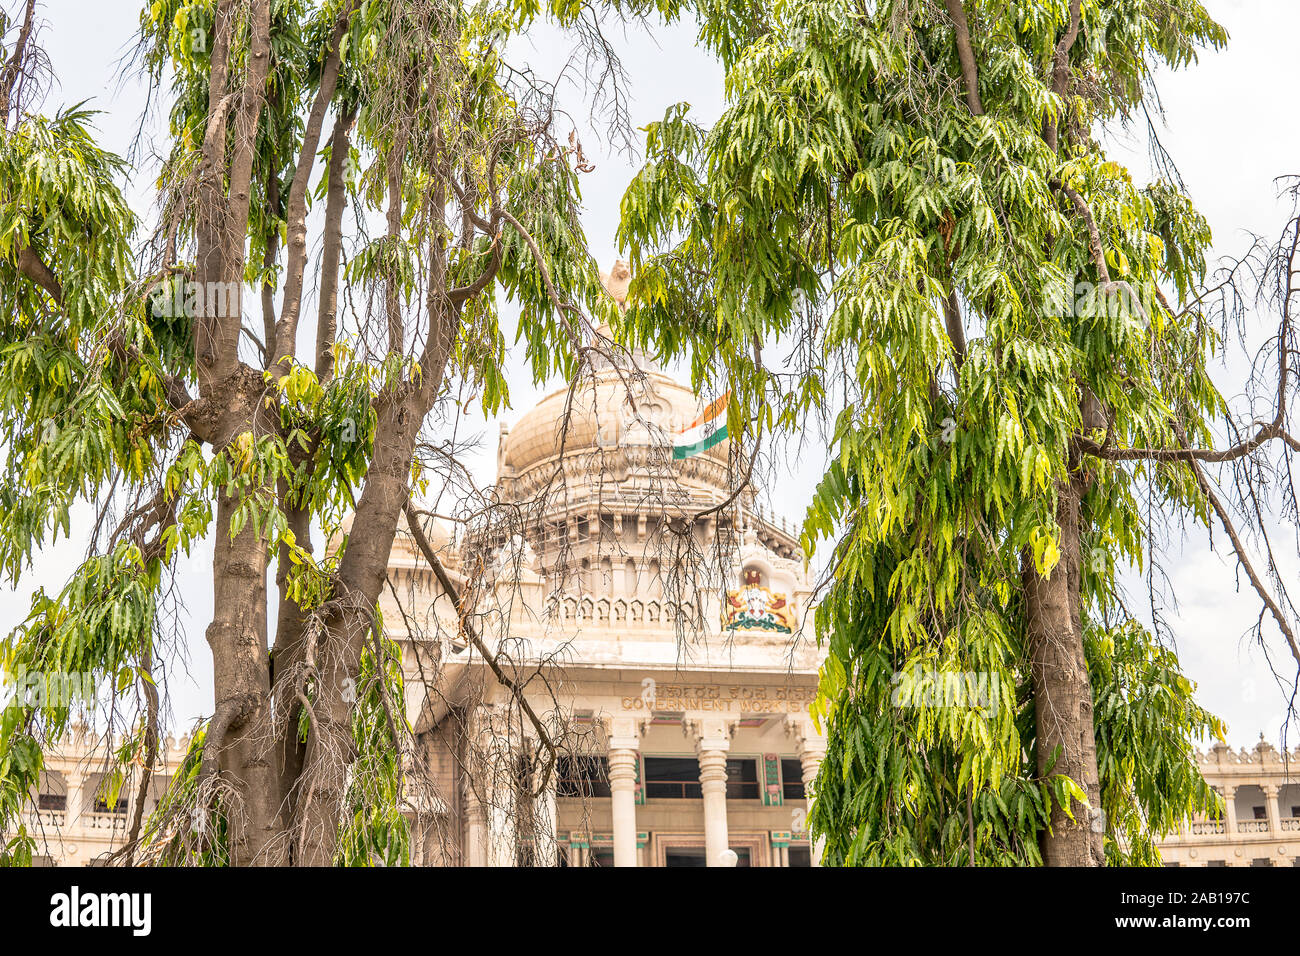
(32, 266)
(966, 54)
(286, 328)
(1061, 70)
(1242, 558)
(13, 68)
(332, 244)
(544, 736)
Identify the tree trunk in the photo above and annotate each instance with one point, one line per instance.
(362, 571)
(1063, 711)
(231, 394)
(237, 637)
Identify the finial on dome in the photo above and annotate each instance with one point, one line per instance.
(615, 282)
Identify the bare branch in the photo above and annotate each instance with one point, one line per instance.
(543, 735)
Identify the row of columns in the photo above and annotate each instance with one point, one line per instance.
(1271, 793)
(712, 738)
(489, 789)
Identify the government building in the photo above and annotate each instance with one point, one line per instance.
(655, 621)
(633, 686)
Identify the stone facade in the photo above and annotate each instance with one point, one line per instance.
(1261, 820)
(74, 820)
(681, 711)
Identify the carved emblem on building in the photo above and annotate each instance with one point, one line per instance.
(754, 607)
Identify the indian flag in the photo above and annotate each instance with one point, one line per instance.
(705, 432)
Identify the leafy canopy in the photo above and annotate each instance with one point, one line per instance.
(847, 196)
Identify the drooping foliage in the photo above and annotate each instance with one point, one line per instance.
(922, 261)
(137, 377)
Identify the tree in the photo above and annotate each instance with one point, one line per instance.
(133, 379)
(911, 201)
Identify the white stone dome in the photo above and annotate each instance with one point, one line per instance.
(600, 417)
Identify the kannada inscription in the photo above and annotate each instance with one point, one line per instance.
(727, 698)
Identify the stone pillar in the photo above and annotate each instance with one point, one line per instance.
(475, 828)
(712, 743)
(780, 841)
(545, 822)
(811, 748)
(494, 766)
(623, 739)
(1230, 811)
(1271, 791)
(76, 796)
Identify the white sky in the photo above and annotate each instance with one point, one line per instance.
(1230, 129)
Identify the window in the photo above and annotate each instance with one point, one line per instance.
(1261, 861)
(685, 856)
(1295, 811)
(1172, 864)
(1259, 812)
(678, 778)
(1217, 863)
(52, 801)
(792, 780)
(602, 856)
(742, 779)
(673, 778)
(103, 806)
(581, 777)
(800, 856)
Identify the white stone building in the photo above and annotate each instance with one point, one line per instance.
(657, 623)
(680, 697)
(1261, 820)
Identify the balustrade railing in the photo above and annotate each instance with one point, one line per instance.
(112, 822)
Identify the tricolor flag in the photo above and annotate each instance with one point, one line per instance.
(705, 432)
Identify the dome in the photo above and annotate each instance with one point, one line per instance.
(437, 533)
(601, 417)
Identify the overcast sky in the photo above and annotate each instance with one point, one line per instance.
(1230, 128)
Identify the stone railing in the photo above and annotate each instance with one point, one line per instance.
(80, 740)
(1207, 827)
(1262, 754)
(110, 822)
(1291, 824)
(621, 612)
(1252, 826)
(45, 819)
